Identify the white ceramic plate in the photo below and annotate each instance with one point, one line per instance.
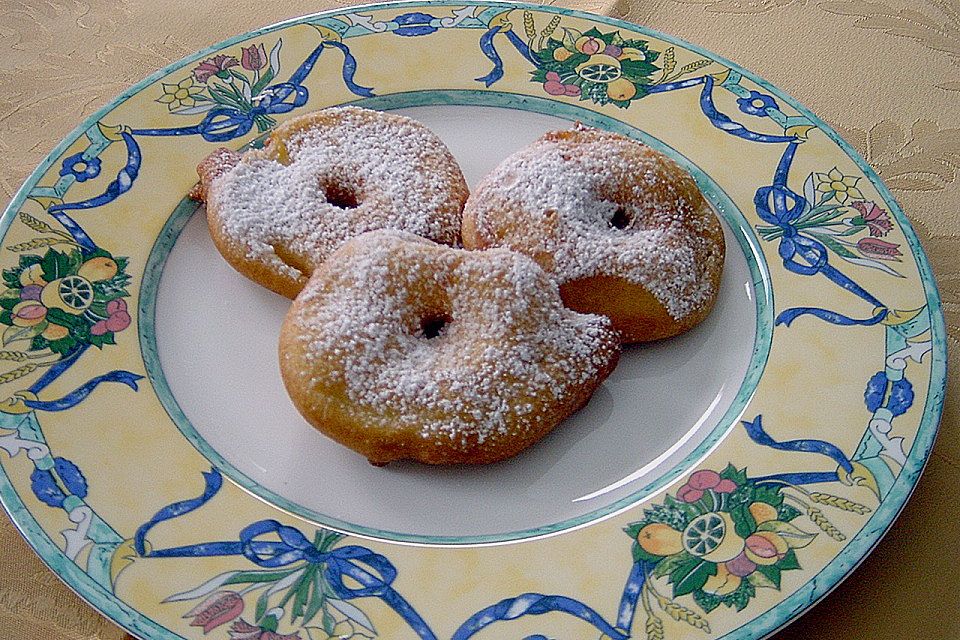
(719, 482)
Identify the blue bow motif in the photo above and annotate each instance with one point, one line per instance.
(780, 206)
(225, 123)
(372, 571)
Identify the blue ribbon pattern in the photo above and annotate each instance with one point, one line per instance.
(372, 571)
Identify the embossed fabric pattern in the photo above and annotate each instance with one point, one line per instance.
(884, 73)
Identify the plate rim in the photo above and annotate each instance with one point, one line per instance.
(858, 547)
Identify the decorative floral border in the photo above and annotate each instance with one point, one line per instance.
(722, 536)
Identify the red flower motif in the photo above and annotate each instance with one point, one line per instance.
(243, 630)
(702, 481)
(254, 57)
(219, 608)
(689, 494)
(876, 219)
(213, 66)
(879, 249)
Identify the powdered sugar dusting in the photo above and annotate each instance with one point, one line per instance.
(508, 346)
(396, 173)
(593, 203)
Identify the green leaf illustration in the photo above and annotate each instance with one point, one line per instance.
(706, 601)
(736, 475)
(833, 245)
(743, 521)
(786, 513)
(261, 607)
(691, 575)
(99, 341)
(789, 561)
(329, 622)
(58, 265)
(639, 555)
(796, 538)
(317, 599)
(670, 563)
(741, 597)
(570, 37)
(14, 333)
(766, 576)
(64, 345)
(251, 577)
(769, 494)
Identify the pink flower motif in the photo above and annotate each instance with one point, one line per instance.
(273, 635)
(118, 321)
(243, 630)
(554, 87)
(253, 57)
(689, 494)
(879, 249)
(725, 486)
(876, 219)
(99, 328)
(118, 304)
(218, 609)
(214, 66)
(702, 481)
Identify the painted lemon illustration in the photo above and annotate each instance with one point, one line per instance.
(629, 53)
(99, 268)
(73, 294)
(724, 583)
(32, 275)
(600, 68)
(55, 332)
(660, 539)
(762, 512)
(621, 89)
(712, 537)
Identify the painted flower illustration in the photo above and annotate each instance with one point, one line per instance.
(555, 87)
(704, 480)
(877, 248)
(834, 184)
(243, 630)
(756, 104)
(217, 609)
(235, 86)
(216, 66)
(79, 167)
(253, 57)
(835, 214)
(182, 94)
(877, 220)
(299, 594)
